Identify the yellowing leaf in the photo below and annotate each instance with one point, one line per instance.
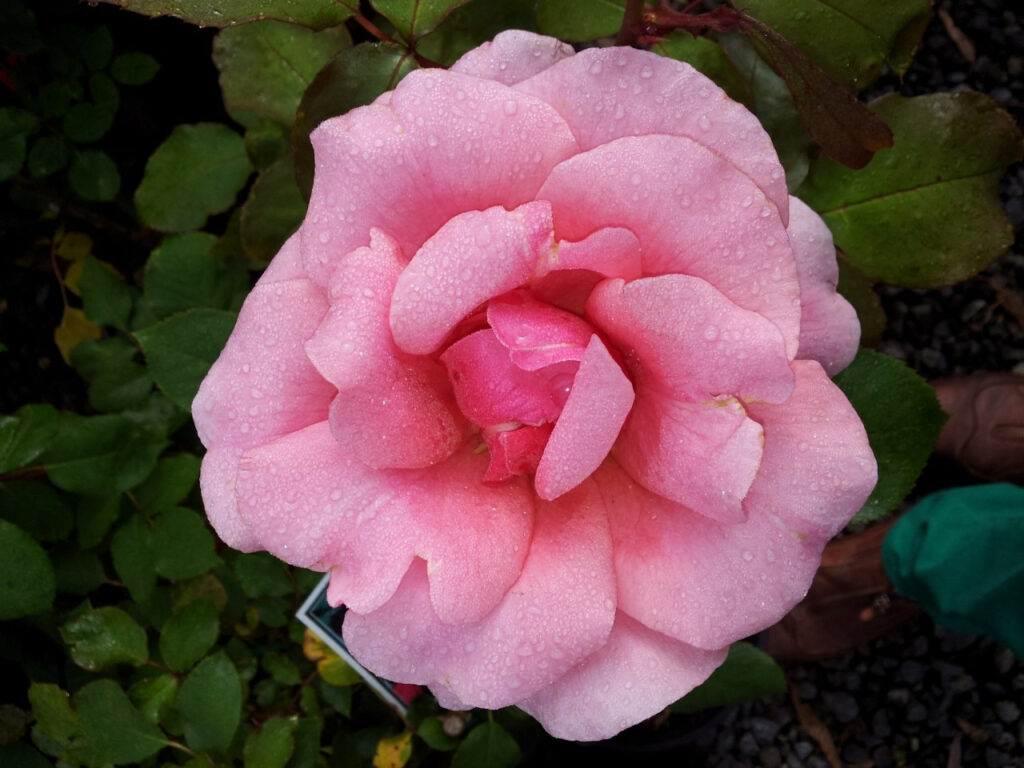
(336, 671)
(74, 328)
(394, 751)
(313, 647)
(74, 246)
(73, 275)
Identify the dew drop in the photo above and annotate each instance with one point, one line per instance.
(324, 237)
(635, 179)
(748, 556)
(510, 107)
(646, 73)
(704, 123)
(620, 112)
(595, 68)
(747, 201)
(711, 333)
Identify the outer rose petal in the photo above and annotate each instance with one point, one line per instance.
(261, 387)
(314, 504)
(392, 409)
(829, 328)
(684, 338)
(818, 468)
(607, 93)
(559, 612)
(612, 252)
(512, 56)
(473, 257)
(447, 143)
(635, 675)
(693, 212)
(702, 455)
(695, 579)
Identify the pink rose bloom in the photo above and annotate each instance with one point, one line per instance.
(543, 381)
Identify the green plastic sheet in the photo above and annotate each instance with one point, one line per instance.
(960, 553)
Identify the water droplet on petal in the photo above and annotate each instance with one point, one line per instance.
(510, 107)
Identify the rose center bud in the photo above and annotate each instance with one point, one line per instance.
(543, 389)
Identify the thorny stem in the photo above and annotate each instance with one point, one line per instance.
(632, 22)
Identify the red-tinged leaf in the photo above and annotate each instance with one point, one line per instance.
(846, 130)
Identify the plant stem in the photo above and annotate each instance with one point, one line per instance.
(632, 19)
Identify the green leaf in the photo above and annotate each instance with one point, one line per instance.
(210, 704)
(708, 57)
(88, 121)
(153, 696)
(184, 273)
(431, 730)
(106, 297)
(852, 40)
(267, 141)
(282, 669)
(134, 68)
(27, 581)
(48, 155)
(35, 507)
(94, 517)
(903, 420)
(580, 20)
(266, 66)
(98, 48)
(181, 349)
(196, 172)
(94, 176)
(747, 673)
(114, 729)
(307, 741)
(103, 637)
(25, 435)
(15, 126)
(487, 746)
(171, 481)
(183, 546)
(415, 18)
(310, 13)
(116, 380)
(51, 708)
(925, 213)
(189, 634)
(272, 745)
(473, 24)
(78, 572)
(353, 78)
(204, 586)
(273, 211)
(262, 575)
(99, 455)
(132, 551)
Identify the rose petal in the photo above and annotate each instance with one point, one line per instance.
(261, 387)
(829, 328)
(702, 455)
(287, 264)
(491, 390)
(473, 257)
(558, 612)
(392, 409)
(512, 56)
(315, 505)
(693, 212)
(514, 451)
(681, 336)
(695, 579)
(818, 468)
(537, 334)
(635, 675)
(598, 404)
(612, 252)
(607, 93)
(446, 143)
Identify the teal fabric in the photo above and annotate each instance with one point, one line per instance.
(960, 553)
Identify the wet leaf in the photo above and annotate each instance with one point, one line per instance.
(189, 634)
(114, 729)
(747, 673)
(27, 581)
(184, 272)
(103, 637)
(415, 18)
(927, 212)
(579, 20)
(487, 746)
(310, 13)
(94, 176)
(25, 434)
(196, 172)
(272, 745)
(265, 66)
(183, 546)
(210, 704)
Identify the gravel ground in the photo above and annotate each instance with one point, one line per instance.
(923, 696)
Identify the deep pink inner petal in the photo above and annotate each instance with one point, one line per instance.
(537, 334)
(472, 258)
(598, 404)
(514, 451)
(492, 390)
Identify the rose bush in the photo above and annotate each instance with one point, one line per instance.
(543, 381)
